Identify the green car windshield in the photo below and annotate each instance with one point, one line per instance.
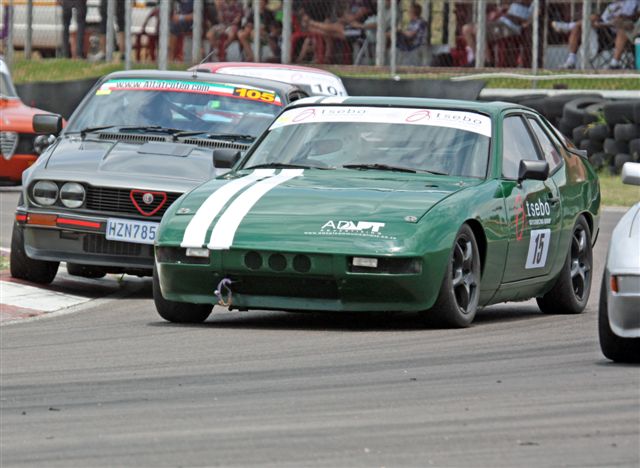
(216, 108)
(422, 140)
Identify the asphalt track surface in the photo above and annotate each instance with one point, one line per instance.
(113, 385)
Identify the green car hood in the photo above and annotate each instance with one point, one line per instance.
(336, 210)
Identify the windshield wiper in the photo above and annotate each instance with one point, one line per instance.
(216, 136)
(386, 167)
(276, 165)
(379, 167)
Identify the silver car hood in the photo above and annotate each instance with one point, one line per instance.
(624, 249)
(150, 165)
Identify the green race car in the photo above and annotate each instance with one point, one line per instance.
(386, 204)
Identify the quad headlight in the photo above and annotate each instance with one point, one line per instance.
(72, 195)
(45, 192)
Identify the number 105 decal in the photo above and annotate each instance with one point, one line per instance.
(538, 248)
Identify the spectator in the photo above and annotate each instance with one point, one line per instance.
(267, 24)
(618, 18)
(81, 21)
(181, 23)
(416, 33)
(509, 24)
(225, 31)
(348, 23)
(119, 20)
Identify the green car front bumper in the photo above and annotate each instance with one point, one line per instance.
(296, 281)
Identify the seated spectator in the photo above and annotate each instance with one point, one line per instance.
(416, 33)
(181, 23)
(225, 31)
(348, 23)
(509, 24)
(617, 18)
(245, 35)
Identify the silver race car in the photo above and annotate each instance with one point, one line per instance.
(619, 315)
(138, 141)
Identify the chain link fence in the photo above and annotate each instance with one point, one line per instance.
(531, 35)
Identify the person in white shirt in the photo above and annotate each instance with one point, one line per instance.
(618, 17)
(509, 24)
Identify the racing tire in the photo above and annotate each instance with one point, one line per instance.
(552, 106)
(570, 293)
(613, 146)
(634, 149)
(457, 301)
(598, 132)
(619, 161)
(593, 113)
(23, 267)
(598, 160)
(566, 128)
(579, 133)
(626, 132)
(178, 312)
(590, 146)
(575, 110)
(85, 271)
(621, 111)
(614, 347)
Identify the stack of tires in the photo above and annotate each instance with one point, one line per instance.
(608, 130)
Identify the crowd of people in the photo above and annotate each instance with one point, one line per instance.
(332, 31)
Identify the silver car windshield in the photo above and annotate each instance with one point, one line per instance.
(191, 106)
(377, 145)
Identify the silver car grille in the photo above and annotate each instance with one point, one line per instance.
(118, 201)
(8, 143)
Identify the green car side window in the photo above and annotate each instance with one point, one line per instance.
(516, 146)
(548, 148)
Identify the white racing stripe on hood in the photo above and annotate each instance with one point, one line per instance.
(196, 233)
(225, 229)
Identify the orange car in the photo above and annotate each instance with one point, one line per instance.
(17, 137)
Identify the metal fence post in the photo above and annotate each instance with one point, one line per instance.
(28, 39)
(111, 13)
(394, 39)
(256, 30)
(163, 35)
(286, 31)
(127, 33)
(535, 39)
(196, 37)
(380, 30)
(586, 26)
(10, 19)
(481, 33)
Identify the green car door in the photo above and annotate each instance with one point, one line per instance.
(533, 206)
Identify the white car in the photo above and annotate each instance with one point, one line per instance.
(619, 315)
(314, 81)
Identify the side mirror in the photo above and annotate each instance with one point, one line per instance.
(47, 123)
(530, 169)
(631, 173)
(225, 158)
(42, 142)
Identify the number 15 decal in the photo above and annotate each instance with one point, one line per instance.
(538, 248)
